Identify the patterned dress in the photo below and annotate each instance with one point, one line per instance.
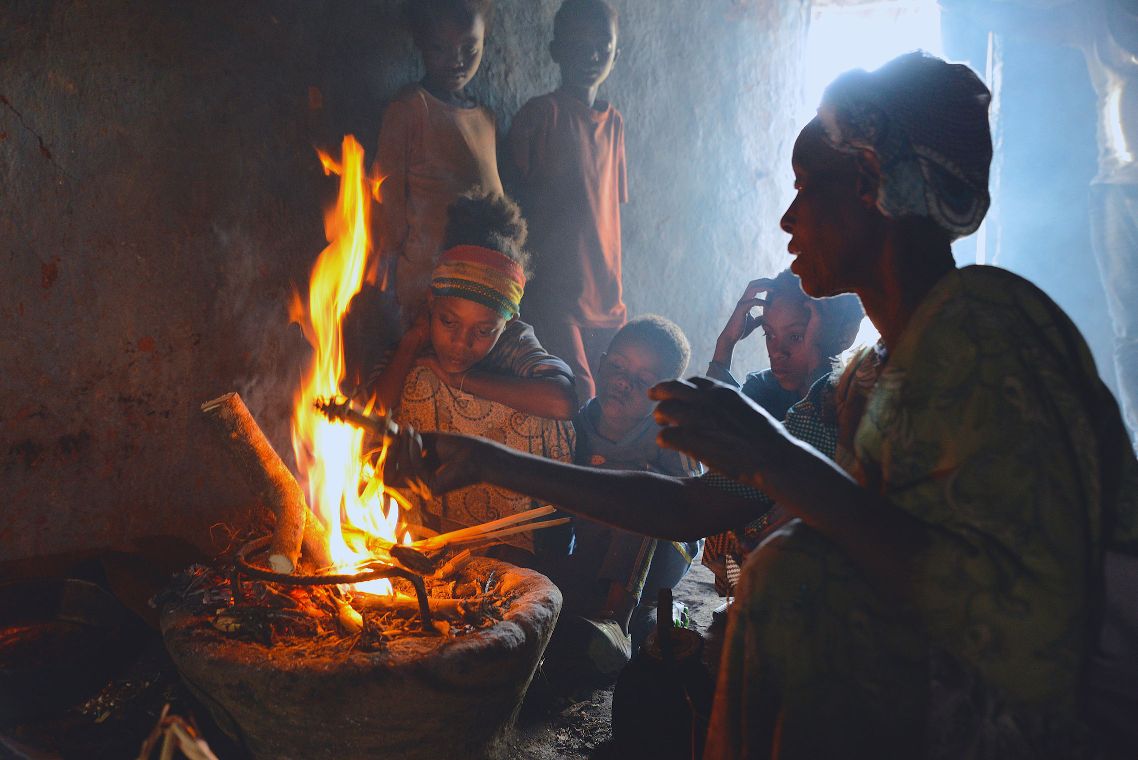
(429, 404)
(988, 423)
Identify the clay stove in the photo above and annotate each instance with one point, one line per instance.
(392, 690)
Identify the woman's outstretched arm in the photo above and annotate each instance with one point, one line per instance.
(677, 509)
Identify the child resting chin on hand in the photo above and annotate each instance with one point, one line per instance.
(469, 365)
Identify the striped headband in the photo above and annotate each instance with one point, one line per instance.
(482, 275)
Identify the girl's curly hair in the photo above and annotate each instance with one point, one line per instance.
(491, 220)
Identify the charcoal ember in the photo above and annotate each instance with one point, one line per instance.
(467, 590)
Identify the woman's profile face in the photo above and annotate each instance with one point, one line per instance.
(794, 354)
(834, 231)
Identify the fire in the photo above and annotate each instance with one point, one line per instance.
(329, 454)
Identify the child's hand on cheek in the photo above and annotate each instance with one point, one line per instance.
(418, 335)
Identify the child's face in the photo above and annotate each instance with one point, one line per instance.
(452, 52)
(462, 331)
(793, 360)
(624, 376)
(585, 49)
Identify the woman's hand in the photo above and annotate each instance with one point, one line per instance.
(454, 461)
(741, 323)
(723, 429)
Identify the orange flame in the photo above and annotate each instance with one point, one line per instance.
(329, 454)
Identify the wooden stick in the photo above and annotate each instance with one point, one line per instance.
(454, 564)
(443, 539)
(409, 605)
(267, 474)
(350, 620)
(495, 535)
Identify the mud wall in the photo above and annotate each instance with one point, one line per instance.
(159, 195)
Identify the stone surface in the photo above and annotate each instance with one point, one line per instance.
(159, 196)
(458, 700)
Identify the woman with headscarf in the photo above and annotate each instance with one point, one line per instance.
(940, 593)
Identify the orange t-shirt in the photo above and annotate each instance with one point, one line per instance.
(567, 161)
(430, 152)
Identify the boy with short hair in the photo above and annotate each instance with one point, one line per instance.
(604, 579)
(567, 167)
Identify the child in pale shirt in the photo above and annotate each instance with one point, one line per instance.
(435, 144)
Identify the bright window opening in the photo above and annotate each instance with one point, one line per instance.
(853, 35)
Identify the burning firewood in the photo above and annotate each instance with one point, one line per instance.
(493, 531)
(351, 621)
(267, 474)
(455, 609)
(402, 444)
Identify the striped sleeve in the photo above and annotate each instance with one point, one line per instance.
(518, 353)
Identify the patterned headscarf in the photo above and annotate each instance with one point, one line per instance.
(482, 275)
(926, 122)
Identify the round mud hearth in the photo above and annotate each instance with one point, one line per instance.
(425, 696)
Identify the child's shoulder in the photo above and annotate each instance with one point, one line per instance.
(540, 107)
(556, 106)
(410, 92)
(406, 106)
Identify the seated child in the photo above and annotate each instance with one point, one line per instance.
(804, 337)
(435, 142)
(566, 166)
(605, 577)
(469, 365)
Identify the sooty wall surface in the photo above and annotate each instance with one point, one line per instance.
(159, 195)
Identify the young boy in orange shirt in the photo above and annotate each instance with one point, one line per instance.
(567, 168)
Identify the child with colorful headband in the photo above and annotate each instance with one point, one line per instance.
(468, 364)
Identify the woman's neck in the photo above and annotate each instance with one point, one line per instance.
(914, 260)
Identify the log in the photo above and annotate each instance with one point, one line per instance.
(266, 473)
(409, 605)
